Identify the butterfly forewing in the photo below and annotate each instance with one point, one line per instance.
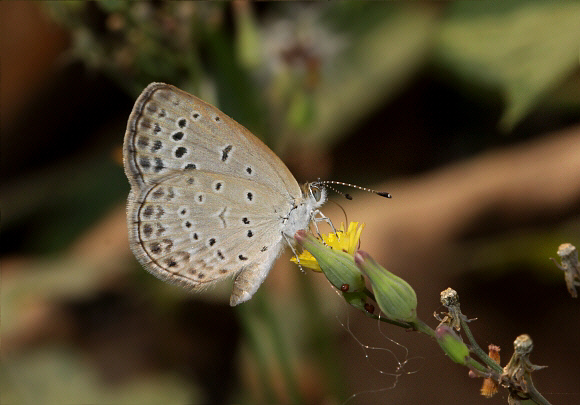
(170, 129)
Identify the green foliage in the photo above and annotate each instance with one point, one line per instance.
(525, 50)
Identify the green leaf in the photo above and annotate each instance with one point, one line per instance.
(523, 49)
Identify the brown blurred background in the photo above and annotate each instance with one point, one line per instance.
(468, 113)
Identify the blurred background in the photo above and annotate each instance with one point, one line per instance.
(468, 113)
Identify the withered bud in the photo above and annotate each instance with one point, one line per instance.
(519, 367)
(449, 297)
(570, 266)
(450, 300)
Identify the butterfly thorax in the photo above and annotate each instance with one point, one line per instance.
(305, 208)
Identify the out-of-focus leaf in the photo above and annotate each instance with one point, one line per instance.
(524, 49)
(57, 204)
(380, 60)
(567, 95)
(59, 376)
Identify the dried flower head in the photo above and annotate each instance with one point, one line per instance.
(450, 300)
(519, 368)
(570, 266)
(490, 386)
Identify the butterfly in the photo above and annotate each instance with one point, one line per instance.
(208, 199)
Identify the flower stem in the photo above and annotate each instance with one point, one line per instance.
(387, 320)
(422, 327)
(535, 394)
(478, 350)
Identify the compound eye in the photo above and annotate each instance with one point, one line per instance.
(316, 192)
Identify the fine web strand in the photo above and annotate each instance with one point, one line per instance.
(368, 350)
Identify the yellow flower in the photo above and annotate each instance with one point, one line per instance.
(346, 241)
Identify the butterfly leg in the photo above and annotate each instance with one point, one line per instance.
(318, 216)
(294, 252)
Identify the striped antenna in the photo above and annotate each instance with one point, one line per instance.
(340, 183)
(345, 195)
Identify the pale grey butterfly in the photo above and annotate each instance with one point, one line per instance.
(208, 199)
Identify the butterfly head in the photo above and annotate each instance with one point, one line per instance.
(316, 193)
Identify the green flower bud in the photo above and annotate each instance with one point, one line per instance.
(337, 266)
(451, 344)
(395, 296)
